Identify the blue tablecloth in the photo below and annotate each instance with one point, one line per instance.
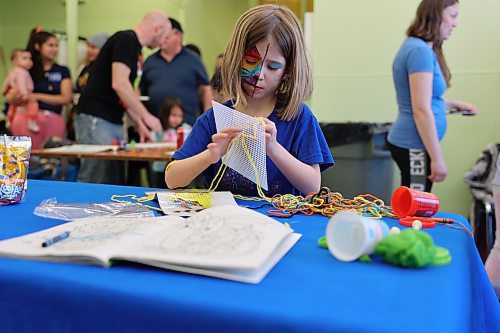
(308, 291)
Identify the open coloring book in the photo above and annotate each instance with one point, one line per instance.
(228, 242)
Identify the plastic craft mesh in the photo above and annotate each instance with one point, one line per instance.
(255, 140)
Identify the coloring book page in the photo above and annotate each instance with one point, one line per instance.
(91, 239)
(226, 241)
(221, 237)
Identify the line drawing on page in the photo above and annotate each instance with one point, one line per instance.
(97, 234)
(209, 235)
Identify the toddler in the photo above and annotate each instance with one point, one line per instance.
(19, 82)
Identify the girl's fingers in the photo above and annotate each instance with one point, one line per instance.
(231, 130)
(219, 136)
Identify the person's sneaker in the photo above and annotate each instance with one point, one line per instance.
(33, 126)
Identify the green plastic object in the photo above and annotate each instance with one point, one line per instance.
(410, 248)
(442, 257)
(132, 145)
(365, 258)
(413, 249)
(322, 242)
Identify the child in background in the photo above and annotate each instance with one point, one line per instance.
(171, 118)
(216, 81)
(19, 82)
(267, 73)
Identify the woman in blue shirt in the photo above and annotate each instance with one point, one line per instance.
(421, 78)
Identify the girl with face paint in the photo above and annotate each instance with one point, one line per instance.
(267, 73)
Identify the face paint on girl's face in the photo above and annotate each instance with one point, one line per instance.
(252, 66)
(276, 65)
(252, 63)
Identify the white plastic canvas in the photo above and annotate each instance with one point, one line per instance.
(255, 140)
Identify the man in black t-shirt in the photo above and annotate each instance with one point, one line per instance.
(109, 93)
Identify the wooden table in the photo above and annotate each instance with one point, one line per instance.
(163, 153)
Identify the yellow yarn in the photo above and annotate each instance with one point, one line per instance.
(222, 169)
(323, 202)
(139, 200)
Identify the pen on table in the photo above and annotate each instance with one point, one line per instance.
(56, 239)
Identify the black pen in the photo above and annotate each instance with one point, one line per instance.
(56, 239)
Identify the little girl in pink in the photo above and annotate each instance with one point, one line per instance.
(19, 82)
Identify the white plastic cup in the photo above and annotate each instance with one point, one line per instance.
(349, 235)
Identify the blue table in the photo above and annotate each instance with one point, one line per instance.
(308, 291)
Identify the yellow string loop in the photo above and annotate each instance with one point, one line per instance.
(138, 200)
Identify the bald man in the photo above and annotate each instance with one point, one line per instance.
(109, 93)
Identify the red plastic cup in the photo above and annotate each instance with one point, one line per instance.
(180, 137)
(408, 202)
(182, 134)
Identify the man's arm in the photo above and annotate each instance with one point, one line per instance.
(123, 88)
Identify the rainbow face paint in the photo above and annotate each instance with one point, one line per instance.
(251, 66)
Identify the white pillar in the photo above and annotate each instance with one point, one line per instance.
(72, 34)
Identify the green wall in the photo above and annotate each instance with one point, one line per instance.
(354, 44)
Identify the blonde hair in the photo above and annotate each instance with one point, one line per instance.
(281, 24)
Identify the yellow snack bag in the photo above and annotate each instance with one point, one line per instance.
(14, 164)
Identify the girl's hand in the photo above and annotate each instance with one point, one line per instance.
(439, 170)
(220, 142)
(271, 132)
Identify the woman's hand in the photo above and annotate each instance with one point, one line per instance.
(466, 108)
(470, 108)
(439, 170)
(15, 99)
(271, 133)
(220, 141)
